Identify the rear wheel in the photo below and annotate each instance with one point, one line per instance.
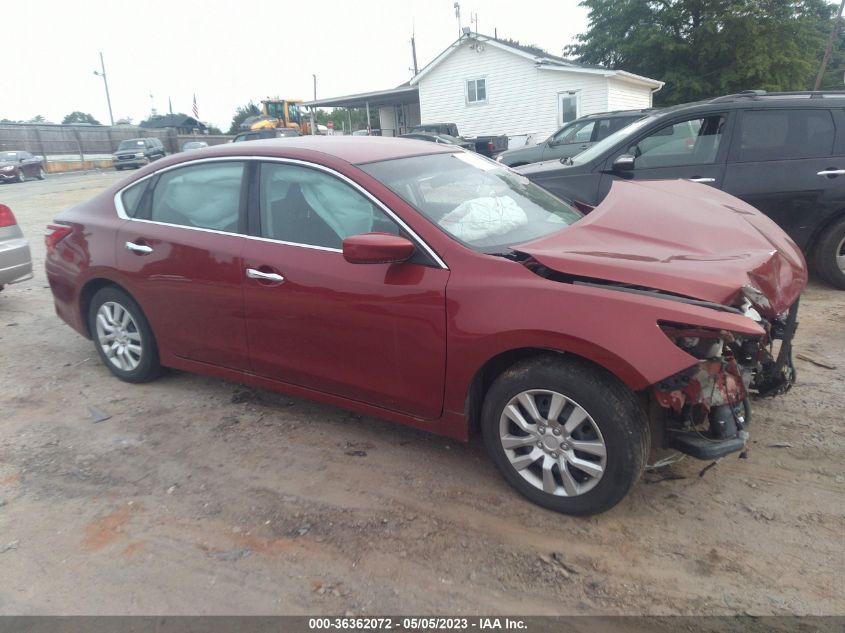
(830, 255)
(566, 434)
(122, 335)
(21, 175)
(40, 173)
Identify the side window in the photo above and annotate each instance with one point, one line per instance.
(690, 142)
(307, 206)
(575, 133)
(785, 134)
(131, 197)
(476, 90)
(204, 196)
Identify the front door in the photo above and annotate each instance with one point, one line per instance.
(374, 333)
(689, 148)
(182, 256)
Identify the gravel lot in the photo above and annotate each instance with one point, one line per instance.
(201, 496)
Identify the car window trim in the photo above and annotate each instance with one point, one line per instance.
(121, 211)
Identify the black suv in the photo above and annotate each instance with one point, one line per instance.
(137, 152)
(783, 153)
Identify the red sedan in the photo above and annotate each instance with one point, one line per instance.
(431, 286)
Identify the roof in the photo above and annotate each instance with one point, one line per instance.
(171, 120)
(394, 96)
(542, 60)
(352, 149)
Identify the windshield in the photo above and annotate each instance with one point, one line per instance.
(478, 202)
(130, 145)
(8, 155)
(602, 146)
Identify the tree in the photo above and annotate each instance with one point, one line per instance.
(213, 129)
(37, 119)
(242, 113)
(704, 48)
(80, 117)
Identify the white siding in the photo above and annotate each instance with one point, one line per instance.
(627, 96)
(521, 99)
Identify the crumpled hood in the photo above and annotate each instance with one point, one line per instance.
(679, 237)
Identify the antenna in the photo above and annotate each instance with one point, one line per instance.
(414, 52)
(457, 6)
(473, 19)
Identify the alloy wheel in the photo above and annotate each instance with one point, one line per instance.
(118, 336)
(552, 443)
(840, 255)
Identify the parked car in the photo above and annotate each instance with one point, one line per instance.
(371, 132)
(440, 138)
(488, 145)
(19, 165)
(430, 286)
(573, 138)
(137, 152)
(186, 147)
(15, 258)
(783, 153)
(276, 132)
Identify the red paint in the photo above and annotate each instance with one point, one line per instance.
(376, 248)
(402, 340)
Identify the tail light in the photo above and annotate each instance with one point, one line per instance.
(55, 234)
(490, 146)
(7, 218)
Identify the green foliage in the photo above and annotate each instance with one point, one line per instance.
(704, 48)
(341, 118)
(80, 117)
(213, 129)
(242, 113)
(37, 119)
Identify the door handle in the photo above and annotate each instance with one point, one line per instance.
(252, 273)
(831, 172)
(702, 180)
(143, 249)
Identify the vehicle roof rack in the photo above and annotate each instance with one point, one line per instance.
(762, 94)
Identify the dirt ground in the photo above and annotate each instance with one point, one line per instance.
(201, 496)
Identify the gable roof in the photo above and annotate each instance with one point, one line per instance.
(541, 59)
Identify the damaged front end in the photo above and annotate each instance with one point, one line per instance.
(705, 408)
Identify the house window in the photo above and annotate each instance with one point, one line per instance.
(476, 90)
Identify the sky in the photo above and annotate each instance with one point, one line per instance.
(228, 53)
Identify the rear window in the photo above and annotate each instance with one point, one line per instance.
(785, 134)
(131, 198)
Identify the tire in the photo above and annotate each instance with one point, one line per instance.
(21, 176)
(595, 411)
(118, 168)
(133, 353)
(830, 255)
(41, 174)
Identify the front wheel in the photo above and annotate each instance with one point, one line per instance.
(830, 255)
(40, 173)
(566, 434)
(122, 335)
(21, 175)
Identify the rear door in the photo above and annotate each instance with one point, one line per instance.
(181, 254)
(789, 163)
(689, 147)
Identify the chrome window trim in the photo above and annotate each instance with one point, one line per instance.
(121, 211)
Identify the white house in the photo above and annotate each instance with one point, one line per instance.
(489, 86)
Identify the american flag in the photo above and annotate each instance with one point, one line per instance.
(196, 110)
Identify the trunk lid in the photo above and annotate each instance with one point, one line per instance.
(679, 237)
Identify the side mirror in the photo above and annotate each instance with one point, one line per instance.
(623, 163)
(377, 248)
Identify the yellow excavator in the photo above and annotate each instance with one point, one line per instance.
(277, 113)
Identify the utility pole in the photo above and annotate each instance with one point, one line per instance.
(106, 83)
(414, 53)
(833, 30)
(313, 123)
